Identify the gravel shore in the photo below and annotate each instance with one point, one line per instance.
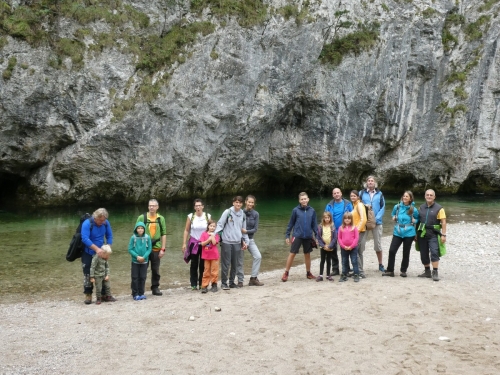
(379, 325)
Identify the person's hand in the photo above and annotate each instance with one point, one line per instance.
(183, 248)
(287, 241)
(348, 248)
(244, 247)
(140, 259)
(243, 230)
(102, 254)
(443, 239)
(92, 280)
(394, 218)
(106, 278)
(162, 253)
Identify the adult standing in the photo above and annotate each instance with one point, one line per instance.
(373, 197)
(95, 231)
(359, 220)
(405, 215)
(231, 222)
(252, 219)
(196, 224)
(431, 230)
(337, 207)
(156, 229)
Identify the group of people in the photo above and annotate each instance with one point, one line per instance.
(343, 227)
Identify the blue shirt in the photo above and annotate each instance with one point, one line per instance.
(338, 209)
(96, 236)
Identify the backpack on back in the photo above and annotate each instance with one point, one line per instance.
(146, 221)
(76, 246)
(370, 217)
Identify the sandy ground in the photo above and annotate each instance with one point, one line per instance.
(379, 325)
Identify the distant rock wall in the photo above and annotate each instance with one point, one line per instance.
(253, 109)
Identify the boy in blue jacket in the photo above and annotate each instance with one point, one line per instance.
(140, 248)
(303, 222)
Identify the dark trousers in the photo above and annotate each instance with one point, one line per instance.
(346, 254)
(335, 259)
(196, 269)
(393, 249)
(428, 244)
(88, 287)
(154, 260)
(328, 256)
(139, 272)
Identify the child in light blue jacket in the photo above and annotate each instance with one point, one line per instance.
(139, 248)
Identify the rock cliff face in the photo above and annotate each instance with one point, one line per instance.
(253, 109)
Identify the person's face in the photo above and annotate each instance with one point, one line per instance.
(430, 196)
(370, 183)
(250, 203)
(100, 220)
(337, 194)
(211, 227)
(198, 207)
(406, 199)
(153, 207)
(304, 200)
(354, 198)
(237, 205)
(347, 221)
(326, 218)
(140, 231)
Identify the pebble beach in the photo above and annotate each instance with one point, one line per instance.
(379, 325)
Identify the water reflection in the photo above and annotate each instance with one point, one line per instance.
(34, 243)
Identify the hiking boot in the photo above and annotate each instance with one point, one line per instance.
(285, 276)
(204, 290)
(356, 278)
(143, 297)
(240, 285)
(224, 287)
(435, 275)
(362, 275)
(137, 298)
(108, 299)
(98, 301)
(388, 273)
(310, 276)
(342, 278)
(426, 273)
(381, 268)
(157, 292)
(194, 288)
(233, 285)
(214, 288)
(88, 299)
(254, 281)
(329, 278)
(335, 272)
(319, 278)
(403, 274)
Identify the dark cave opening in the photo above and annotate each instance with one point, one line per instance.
(9, 187)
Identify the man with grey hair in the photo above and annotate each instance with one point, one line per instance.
(95, 231)
(372, 196)
(431, 228)
(156, 229)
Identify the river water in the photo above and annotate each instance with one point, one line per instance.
(33, 243)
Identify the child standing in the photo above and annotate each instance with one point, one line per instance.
(303, 222)
(210, 255)
(348, 237)
(99, 274)
(140, 248)
(327, 241)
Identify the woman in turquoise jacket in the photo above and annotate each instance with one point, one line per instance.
(139, 248)
(405, 215)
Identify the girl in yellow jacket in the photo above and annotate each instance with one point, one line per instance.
(359, 219)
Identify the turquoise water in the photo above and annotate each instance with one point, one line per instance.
(34, 243)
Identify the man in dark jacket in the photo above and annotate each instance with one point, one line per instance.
(303, 222)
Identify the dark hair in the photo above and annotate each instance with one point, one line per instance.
(210, 221)
(197, 200)
(355, 192)
(238, 198)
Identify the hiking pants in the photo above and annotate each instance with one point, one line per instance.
(393, 249)
(196, 268)
(139, 273)
(211, 272)
(154, 259)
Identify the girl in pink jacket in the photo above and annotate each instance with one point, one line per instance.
(348, 238)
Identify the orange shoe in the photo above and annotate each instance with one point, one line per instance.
(285, 276)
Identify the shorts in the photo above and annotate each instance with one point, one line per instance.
(306, 245)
